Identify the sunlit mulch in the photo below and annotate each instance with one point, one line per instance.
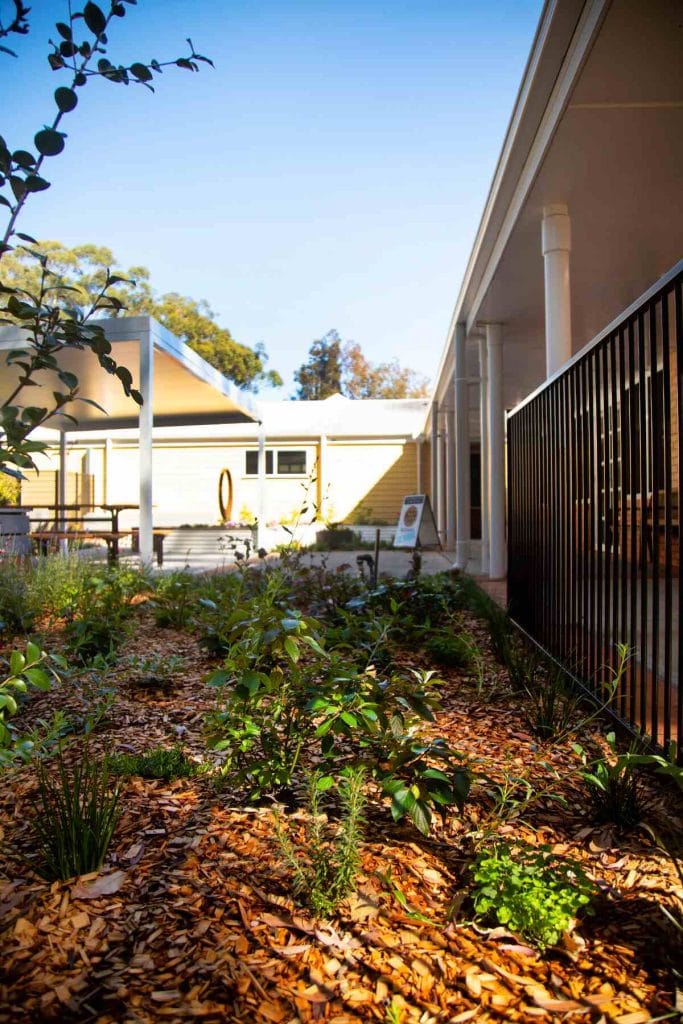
(192, 916)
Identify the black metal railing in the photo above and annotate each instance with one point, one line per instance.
(594, 508)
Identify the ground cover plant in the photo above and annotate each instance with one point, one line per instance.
(312, 817)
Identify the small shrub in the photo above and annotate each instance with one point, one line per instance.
(93, 637)
(325, 865)
(19, 608)
(156, 671)
(614, 786)
(76, 816)
(454, 650)
(160, 763)
(175, 600)
(551, 707)
(531, 891)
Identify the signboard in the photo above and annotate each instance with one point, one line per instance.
(416, 524)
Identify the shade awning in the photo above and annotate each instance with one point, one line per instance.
(185, 390)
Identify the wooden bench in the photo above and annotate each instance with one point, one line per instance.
(159, 535)
(48, 539)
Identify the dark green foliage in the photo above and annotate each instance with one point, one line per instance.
(160, 763)
(75, 817)
(530, 890)
(176, 599)
(551, 705)
(454, 650)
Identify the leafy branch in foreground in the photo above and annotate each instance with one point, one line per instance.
(51, 330)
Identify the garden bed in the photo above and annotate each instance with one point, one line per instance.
(194, 914)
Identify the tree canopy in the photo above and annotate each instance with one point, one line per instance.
(335, 366)
(83, 270)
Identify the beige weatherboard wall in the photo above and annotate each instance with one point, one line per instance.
(347, 461)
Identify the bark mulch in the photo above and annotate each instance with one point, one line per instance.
(192, 916)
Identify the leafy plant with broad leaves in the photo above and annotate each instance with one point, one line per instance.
(50, 331)
(530, 890)
(385, 718)
(25, 670)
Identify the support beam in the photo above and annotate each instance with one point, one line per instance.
(496, 413)
(484, 453)
(556, 244)
(449, 427)
(463, 515)
(261, 501)
(108, 475)
(434, 483)
(418, 466)
(146, 418)
(441, 459)
(322, 478)
(61, 493)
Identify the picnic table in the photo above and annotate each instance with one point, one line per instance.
(71, 523)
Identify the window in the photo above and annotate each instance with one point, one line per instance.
(291, 462)
(252, 464)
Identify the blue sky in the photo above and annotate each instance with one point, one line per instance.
(330, 173)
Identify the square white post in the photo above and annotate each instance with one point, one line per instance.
(497, 547)
(261, 507)
(556, 244)
(435, 482)
(484, 453)
(61, 492)
(146, 420)
(463, 499)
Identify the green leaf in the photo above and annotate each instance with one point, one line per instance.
(49, 142)
(292, 648)
(324, 783)
(421, 816)
(350, 719)
(16, 663)
(94, 18)
(141, 72)
(66, 99)
(38, 677)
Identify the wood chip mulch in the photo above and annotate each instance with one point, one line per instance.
(192, 916)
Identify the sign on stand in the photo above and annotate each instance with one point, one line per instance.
(416, 524)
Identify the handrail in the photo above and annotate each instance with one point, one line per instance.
(614, 325)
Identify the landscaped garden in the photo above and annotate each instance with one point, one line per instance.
(276, 794)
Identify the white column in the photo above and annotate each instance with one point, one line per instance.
(146, 419)
(556, 242)
(61, 493)
(497, 552)
(322, 477)
(261, 501)
(418, 465)
(107, 490)
(434, 459)
(484, 453)
(462, 450)
(449, 427)
(441, 459)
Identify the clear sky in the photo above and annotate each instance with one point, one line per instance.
(330, 173)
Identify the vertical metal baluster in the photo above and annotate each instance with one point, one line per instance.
(644, 446)
(668, 532)
(634, 455)
(656, 428)
(615, 637)
(678, 317)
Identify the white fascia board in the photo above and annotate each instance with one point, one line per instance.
(582, 38)
(582, 41)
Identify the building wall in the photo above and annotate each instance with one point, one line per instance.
(364, 479)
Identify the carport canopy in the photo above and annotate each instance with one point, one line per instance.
(178, 387)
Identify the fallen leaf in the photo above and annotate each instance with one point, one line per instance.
(103, 885)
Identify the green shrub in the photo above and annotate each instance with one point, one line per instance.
(530, 890)
(160, 763)
(76, 816)
(175, 600)
(454, 650)
(19, 607)
(325, 865)
(551, 706)
(156, 671)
